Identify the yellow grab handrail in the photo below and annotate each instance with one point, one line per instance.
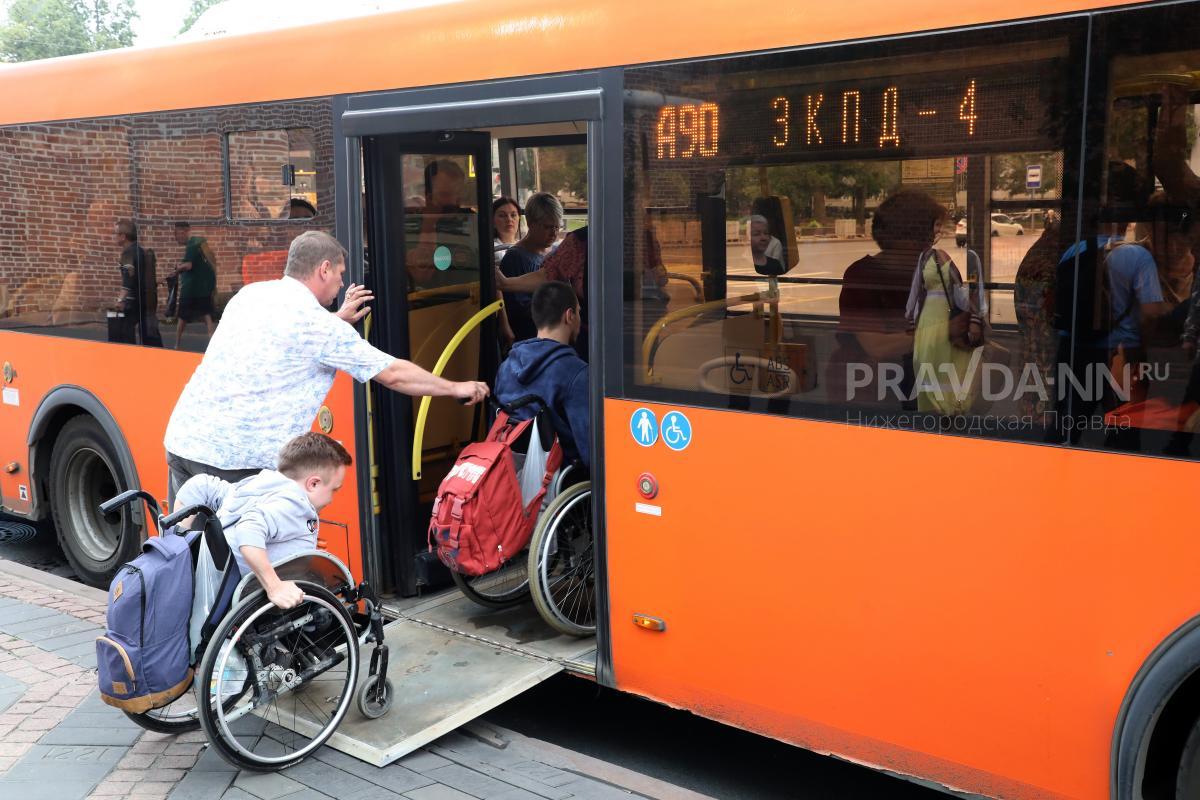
(651, 342)
(451, 346)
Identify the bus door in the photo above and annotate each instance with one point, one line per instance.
(428, 235)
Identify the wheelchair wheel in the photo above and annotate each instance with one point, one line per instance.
(180, 716)
(375, 699)
(290, 674)
(506, 587)
(561, 561)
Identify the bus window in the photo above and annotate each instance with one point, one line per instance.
(801, 231)
(557, 165)
(1142, 206)
(272, 174)
(81, 190)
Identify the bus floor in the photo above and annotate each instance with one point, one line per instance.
(451, 661)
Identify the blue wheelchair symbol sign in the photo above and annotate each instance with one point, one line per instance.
(644, 427)
(676, 430)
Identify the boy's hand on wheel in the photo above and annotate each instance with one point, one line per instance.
(285, 595)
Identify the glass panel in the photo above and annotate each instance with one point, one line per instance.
(796, 226)
(303, 159)
(1141, 321)
(82, 190)
(441, 244)
(560, 170)
(257, 160)
(63, 269)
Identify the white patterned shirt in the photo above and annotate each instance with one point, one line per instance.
(268, 367)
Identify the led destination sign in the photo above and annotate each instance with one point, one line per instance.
(921, 114)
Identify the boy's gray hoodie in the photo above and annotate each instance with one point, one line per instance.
(267, 510)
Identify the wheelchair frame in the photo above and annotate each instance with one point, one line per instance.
(318, 573)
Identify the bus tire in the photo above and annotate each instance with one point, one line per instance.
(85, 470)
(1187, 781)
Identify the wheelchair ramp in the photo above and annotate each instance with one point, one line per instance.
(442, 680)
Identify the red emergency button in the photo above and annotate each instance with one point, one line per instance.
(647, 486)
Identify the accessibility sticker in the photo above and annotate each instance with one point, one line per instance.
(676, 430)
(644, 427)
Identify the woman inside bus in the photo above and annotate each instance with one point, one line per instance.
(544, 218)
(569, 264)
(872, 329)
(506, 223)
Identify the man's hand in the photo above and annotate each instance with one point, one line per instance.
(470, 392)
(501, 280)
(285, 595)
(355, 307)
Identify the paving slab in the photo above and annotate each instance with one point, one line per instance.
(92, 736)
(267, 785)
(436, 792)
(55, 628)
(202, 786)
(47, 789)
(17, 613)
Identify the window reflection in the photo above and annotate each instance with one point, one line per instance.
(795, 248)
(92, 242)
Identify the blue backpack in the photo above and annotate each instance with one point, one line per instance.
(143, 660)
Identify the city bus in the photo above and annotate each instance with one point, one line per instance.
(808, 521)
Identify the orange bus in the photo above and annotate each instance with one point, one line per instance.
(823, 511)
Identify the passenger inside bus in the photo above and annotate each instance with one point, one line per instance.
(568, 263)
(547, 366)
(506, 225)
(543, 220)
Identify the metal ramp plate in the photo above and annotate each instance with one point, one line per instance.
(442, 681)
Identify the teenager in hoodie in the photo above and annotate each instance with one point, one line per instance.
(549, 368)
(274, 514)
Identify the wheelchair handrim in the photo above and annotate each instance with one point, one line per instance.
(224, 719)
(549, 547)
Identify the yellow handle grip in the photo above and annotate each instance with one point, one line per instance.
(451, 346)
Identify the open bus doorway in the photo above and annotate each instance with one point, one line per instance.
(429, 233)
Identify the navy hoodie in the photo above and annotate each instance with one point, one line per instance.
(555, 373)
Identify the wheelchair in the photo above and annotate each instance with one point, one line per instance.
(270, 686)
(558, 568)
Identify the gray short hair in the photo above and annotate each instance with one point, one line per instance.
(307, 252)
(543, 207)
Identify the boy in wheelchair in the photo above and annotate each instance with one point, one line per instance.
(549, 368)
(274, 514)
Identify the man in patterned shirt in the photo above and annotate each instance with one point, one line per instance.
(272, 361)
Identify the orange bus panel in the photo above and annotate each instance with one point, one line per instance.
(458, 42)
(968, 611)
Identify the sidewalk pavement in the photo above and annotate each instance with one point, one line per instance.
(58, 741)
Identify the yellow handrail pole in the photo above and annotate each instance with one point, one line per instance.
(451, 346)
(650, 343)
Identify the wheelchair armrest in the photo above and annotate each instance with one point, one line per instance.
(173, 519)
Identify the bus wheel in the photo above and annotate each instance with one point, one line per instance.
(84, 472)
(1187, 782)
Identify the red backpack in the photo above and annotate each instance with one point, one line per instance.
(478, 519)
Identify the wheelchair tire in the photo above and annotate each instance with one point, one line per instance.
(248, 733)
(163, 720)
(371, 703)
(504, 588)
(180, 716)
(562, 563)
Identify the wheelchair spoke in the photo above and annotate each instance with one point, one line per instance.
(566, 568)
(301, 669)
